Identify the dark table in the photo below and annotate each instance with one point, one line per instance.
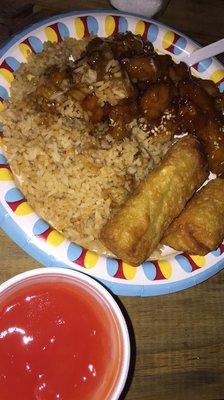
(179, 337)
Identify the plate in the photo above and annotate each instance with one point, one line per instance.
(174, 271)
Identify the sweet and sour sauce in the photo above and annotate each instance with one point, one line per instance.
(58, 341)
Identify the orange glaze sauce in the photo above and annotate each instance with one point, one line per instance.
(58, 341)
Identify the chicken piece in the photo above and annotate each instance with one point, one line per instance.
(120, 116)
(127, 45)
(219, 103)
(187, 112)
(165, 62)
(162, 131)
(178, 72)
(209, 86)
(197, 95)
(76, 93)
(155, 100)
(199, 229)
(45, 97)
(169, 122)
(45, 92)
(93, 45)
(206, 125)
(90, 103)
(56, 76)
(97, 115)
(143, 68)
(210, 132)
(138, 226)
(98, 53)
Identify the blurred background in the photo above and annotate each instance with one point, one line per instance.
(196, 18)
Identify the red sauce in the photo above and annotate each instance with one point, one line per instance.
(57, 342)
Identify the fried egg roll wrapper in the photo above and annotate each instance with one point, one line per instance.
(138, 226)
(200, 227)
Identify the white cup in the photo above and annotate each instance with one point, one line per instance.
(148, 8)
(97, 289)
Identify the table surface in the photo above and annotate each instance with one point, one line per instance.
(179, 343)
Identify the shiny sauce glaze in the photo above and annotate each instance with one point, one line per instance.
(57, 342)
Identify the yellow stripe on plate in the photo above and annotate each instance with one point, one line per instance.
(23, 209)
(140, 28)
(129, 271)
(166, 268)
(5, 174)
(199, 260)
(110, 25)
(79, 27)
(8, 75)
(90, 259)
(55, 238)
(51, 34)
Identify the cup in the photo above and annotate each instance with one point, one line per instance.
(23, 285)
(148, 8)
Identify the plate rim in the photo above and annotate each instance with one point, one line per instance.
(13, 38)
(14, 232)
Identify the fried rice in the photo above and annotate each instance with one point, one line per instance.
(72, 175)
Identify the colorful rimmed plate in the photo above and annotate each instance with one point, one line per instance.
(172, 273)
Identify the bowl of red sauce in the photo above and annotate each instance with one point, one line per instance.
(62, 337)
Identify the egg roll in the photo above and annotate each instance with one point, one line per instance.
(200, 227)
(136, 229)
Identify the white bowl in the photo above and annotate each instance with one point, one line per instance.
(98, 290)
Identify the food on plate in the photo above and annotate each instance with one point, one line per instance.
(200, 227)
(143, 68)
(88, 120)
(138, 226)
(74, 137)
(210, 133)
(155, 100)
(199, 113)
